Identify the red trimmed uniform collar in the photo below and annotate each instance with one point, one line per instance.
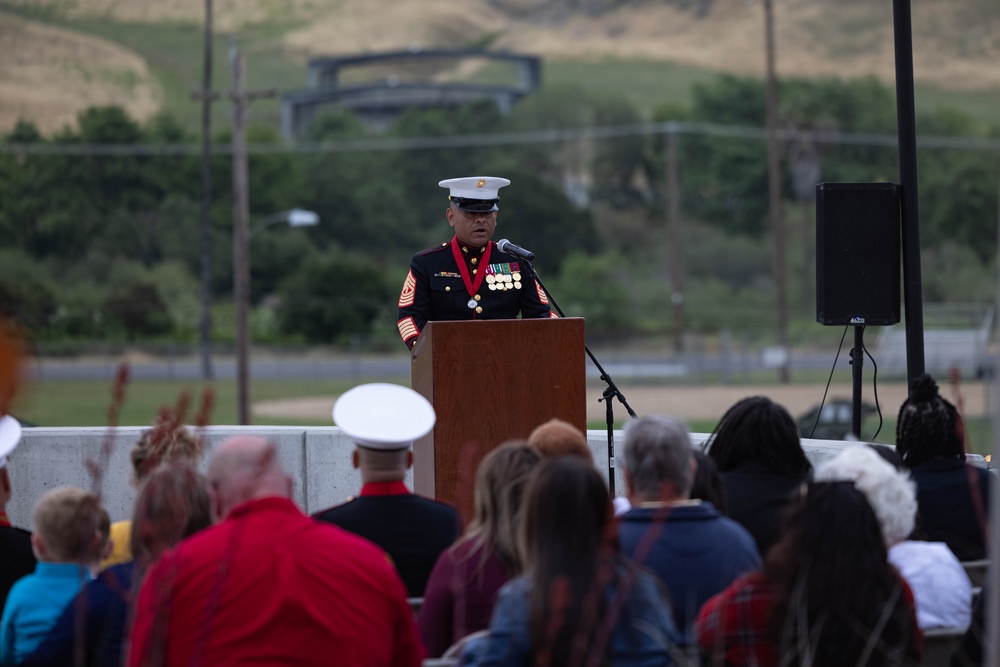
(384, 489)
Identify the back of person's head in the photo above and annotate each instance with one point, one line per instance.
(68, 523)
(383, 465)
(245, 468)
(707, 483)
(657, 456)
(569, 543)
(928, 425)
(166, 441)
(560, 438)
(834, 584)
(501, 480)
(102, 547)
(566, 514)
(890, 492)
(758, 429)
(172, 504)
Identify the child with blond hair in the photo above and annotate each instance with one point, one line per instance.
(67, 542)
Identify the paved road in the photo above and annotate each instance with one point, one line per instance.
(371, 367)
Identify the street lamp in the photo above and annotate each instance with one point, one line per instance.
(295, 217)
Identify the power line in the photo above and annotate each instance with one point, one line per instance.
(496, 139)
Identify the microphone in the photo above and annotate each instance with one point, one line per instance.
(506, 246)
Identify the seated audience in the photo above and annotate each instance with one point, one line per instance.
(560, 438)
(165, 442)
(16, 557)
(172, 505)
(707, 483)
(952, 496)
(267, 585)
(940, 586)
(827, 595)
(383, 420)
(578, 599)
(465, 580)
(757, 450)
(66, 541)
(695, 551)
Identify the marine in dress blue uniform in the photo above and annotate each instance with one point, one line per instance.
(383, 420)
(468, 278)
(17, 558)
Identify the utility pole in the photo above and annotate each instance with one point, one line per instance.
(206, 200)
(774, 194)
(676, 245)
(240, 97)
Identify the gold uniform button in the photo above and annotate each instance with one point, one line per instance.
(443, 245)
(447, 288)
(474, 260)
(477, 297)
(479, 309)
(474, 270)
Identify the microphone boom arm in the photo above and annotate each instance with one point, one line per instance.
(611, 392)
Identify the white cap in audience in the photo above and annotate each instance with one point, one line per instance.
(10, 436)
(383, 416)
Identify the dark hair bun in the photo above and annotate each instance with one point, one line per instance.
(924, 389)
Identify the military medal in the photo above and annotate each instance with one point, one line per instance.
(517, 284)
(471, 284)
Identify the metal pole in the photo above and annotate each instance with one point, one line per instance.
(909, 217)
(857, 362)
(774, 193)
(206, 201)
(991, 644)
(241, 239)
(676, 245)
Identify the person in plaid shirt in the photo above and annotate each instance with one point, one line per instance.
(826, 592)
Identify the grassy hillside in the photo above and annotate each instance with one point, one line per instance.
(649, 52)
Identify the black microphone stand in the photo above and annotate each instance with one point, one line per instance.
(611, 392)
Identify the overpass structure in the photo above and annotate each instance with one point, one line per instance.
(379, 102)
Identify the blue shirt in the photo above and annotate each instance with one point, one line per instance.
(33, 606)
(644, 634)
(695, 551)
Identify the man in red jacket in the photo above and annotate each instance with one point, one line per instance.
(268, 585)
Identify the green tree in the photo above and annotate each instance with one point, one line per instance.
(333, 296)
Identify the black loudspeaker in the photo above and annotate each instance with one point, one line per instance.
(857, 253)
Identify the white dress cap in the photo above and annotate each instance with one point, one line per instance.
(383, 416)
(474, 187)
(10, 435)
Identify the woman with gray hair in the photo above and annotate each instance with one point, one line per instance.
(942, 590)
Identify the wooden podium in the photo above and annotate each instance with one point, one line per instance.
(491, 381)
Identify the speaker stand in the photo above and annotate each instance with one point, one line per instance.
(857, 361)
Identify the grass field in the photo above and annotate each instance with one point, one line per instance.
(86, 402)
(173, 53)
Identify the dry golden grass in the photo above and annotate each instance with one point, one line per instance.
(955, 41)
(50, 74)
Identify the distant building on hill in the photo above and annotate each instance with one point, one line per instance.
(398, 80)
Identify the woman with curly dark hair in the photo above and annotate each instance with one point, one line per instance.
(827, 595)
(952, 496)
(757, 451)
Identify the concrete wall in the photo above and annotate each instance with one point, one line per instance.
(318, 458)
